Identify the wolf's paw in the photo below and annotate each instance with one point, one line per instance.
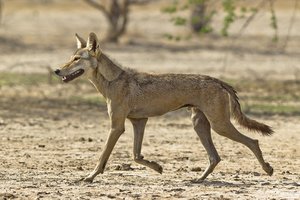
(88, 179)
(268, 169)
(157, 167)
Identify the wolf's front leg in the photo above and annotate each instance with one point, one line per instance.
(117, 128)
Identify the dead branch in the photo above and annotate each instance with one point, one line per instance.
(250, 18)
(244, 26)
(98, 6)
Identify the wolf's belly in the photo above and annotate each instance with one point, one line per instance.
(152, 109)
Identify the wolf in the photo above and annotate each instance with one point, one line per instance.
(136, 96)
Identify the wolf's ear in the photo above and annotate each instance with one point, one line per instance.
(81, 43)
(92, 43)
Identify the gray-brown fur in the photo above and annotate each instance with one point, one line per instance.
(137, 96)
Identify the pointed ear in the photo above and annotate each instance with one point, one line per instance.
(81, 43)
(92, 43)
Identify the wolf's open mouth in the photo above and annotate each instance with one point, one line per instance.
(72, 76)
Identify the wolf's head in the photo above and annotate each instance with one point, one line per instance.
(84, 60)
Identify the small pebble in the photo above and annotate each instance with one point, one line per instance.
(265, 183)
(196, 169)
(256, 174)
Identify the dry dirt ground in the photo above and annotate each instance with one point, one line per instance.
(49, 143)
(52, 134)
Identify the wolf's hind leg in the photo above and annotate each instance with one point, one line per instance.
(202, 128)
(226, 128)
(139, 128)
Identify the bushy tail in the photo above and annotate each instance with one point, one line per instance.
(241, 118)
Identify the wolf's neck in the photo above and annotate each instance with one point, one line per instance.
(106, 72)
(108, 68)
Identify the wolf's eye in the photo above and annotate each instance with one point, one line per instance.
(76, 58)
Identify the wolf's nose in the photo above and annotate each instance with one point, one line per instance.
(57, 71)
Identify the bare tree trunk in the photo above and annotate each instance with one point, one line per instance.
(118, 19)
(199, 18)
(116, 14)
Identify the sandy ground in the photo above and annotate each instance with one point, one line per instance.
(48, 147)
(49, 142)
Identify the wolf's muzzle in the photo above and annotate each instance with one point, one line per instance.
(57, 71)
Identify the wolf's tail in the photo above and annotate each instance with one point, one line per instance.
(241, 118)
